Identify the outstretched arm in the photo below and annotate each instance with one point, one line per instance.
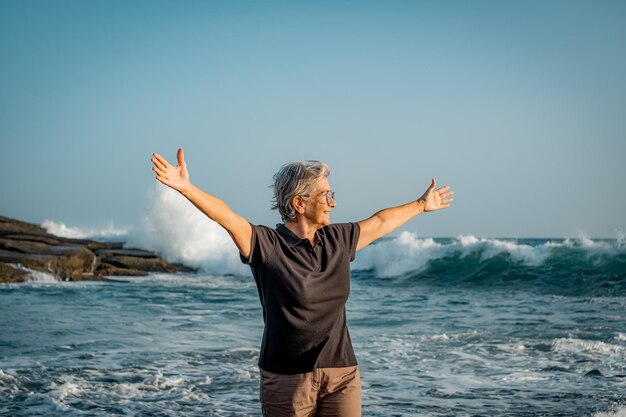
(387, 220)
(177, 177)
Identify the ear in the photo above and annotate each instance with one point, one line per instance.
(298, 204)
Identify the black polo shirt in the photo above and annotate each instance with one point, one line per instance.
(303, 290)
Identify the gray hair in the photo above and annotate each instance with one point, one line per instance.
(295, 178)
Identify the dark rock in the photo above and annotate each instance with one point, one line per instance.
(145, 264)
(594, 373)
(11, 226)
(96, 246)
(12, 274)
(110, 252)
(23, 245)
(45, 263)
(65, 264)
(76, 263)
(108, 270)
(32, 247)
(17, 230)
(49, 240)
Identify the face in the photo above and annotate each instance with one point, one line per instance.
(316, 209)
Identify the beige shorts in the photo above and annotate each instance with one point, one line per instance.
(324, 392)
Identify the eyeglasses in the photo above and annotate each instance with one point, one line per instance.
(330, 196)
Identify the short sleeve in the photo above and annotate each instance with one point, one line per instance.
(355, 232)
(347, 234)
(262, 244)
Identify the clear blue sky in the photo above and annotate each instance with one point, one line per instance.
(519, 106)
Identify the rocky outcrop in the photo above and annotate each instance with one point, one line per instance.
(25, 245)
(9, 273)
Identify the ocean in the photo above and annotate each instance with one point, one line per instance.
(441, 327)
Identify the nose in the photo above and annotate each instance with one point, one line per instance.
(333, 203)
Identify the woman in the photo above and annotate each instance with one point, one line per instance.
(302, 272)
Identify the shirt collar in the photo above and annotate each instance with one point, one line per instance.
(292, 240)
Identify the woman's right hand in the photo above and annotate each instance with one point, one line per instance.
(175, 177)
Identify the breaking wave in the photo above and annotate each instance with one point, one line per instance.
(174, 228)
(178, 231)
(579, 266)
(109, 232)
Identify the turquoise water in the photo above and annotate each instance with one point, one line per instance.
(450, 327)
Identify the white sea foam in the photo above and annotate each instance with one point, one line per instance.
(409, 253)
(104, 233)
(529, 255)
(525, 377)
(588, 347)
(66, 389)
(66, 386)
(440, 337)
(36, 276)
(619, 411)
(393, 257)
(162, 382)
(243, 376)
(517, 348)
(584, 242)
(7, 378)
(39, 276)
(178, 231)
(9, 384)
(597, 247)
(189, 280)
(156, 387)
(444, 337)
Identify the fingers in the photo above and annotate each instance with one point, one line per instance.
(444, 196)
(180, 155)
(159, 161)
(432, 185)
(164, 181)
(159, 171)
(158, 165)
(443, 191)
